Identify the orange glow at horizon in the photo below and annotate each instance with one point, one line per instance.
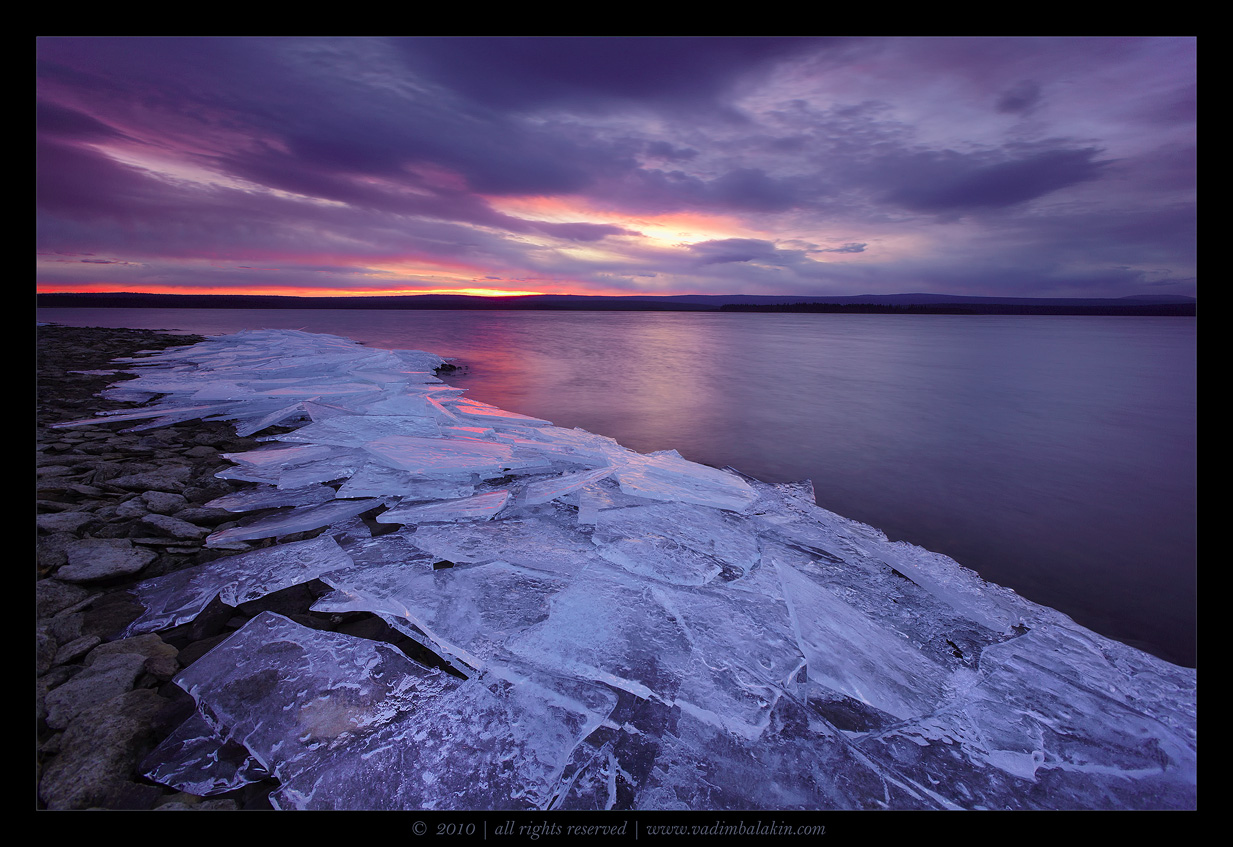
(668, 228)
(301, 291)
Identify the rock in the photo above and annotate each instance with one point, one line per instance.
(159, 656)
(99, 753)
(63, 521)
(94, 559)
(172, 479)
(49, 681)
(196, 804)
(163, 502)
(108, 677)
(110, 614)
(51, 596)
(44, 652)
(174, 527)
(132, 508)
(66, 627)
(50, 551)
(76, 648)
(204, 517)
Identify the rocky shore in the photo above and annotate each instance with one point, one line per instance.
(114, 507)
(572, 626)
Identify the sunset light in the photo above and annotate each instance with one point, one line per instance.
(537, 433)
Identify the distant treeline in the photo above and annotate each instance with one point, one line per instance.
(953, 306)
(1155, 309)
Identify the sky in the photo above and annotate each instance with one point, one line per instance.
(806, 166)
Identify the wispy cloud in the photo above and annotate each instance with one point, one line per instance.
(617, 165)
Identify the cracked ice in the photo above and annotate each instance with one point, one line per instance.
(615, 630)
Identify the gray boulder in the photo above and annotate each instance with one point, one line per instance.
(93, 559)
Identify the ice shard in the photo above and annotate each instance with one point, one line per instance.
(587, 627)
(669, 476)
(180, 596)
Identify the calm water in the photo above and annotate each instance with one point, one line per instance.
(1053, 455)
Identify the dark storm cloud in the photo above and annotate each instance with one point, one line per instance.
(728, 250)
(909, 159)
(589, 73)
(947, 181)
(311, 123)
(664, 150)
(1020, 97)
(732, 250)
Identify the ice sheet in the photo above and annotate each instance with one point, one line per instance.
(180, 596)
(628, 631)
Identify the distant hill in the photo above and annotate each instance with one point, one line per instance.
(863, 303)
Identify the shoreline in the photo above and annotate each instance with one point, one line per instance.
(110, 499)
(117, 507)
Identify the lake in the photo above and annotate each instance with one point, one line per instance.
(1054, 455)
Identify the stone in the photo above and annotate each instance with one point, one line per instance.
(171, 479)
(94, 559)
(76, 648)
(44, 652)
(163, 502)
(52, 595)
(63, 521)
(51, 551)
(159, 656)
(108, 677)
(174, 527)
(99, 753)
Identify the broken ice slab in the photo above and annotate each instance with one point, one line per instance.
(280, 457)
(570, 445)
(431, 456)
(542, 491)
(610, 628)
(490, 415)
(296, 467)
(858, 656)
(679, 543)
(668, 476)
(993, 606)
(332, 717)
(1037, 729)
(351, 391)
(254, 499)
(402, 402)
(180, 596)
(296, 520)
(463, 614)
(166, 420)
(614, 628)
(339, 466)
(798, 763)
(194, 411)
(286, 692)
(283, 413)
(357, 430)
(396, 377)
(497, 745)
(481, 507)
(534, 542)
(197, 760)
(318, 411)
(376, 480)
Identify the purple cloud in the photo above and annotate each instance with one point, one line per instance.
(918, 160)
